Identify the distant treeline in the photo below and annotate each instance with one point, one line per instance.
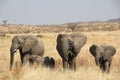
(68, 27)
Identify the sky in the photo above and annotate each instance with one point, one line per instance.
(38, 12)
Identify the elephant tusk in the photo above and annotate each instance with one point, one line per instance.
(15, 50)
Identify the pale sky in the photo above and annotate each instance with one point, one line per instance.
(58, 11)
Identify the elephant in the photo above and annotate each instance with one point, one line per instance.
(47, 61)
(68, 46)
(103, 55)
(27, 45)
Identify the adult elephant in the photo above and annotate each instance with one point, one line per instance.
(68, 47)
(28, 45)
(103, 56)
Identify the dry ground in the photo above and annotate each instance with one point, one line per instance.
(86, 68)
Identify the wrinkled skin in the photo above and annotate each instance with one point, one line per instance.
(27, 45)
(103, 56)
(68, 47)
(48, 62)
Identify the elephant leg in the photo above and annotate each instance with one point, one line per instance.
(65, 64)
(72, 65)
(25, 59)
(102, 66)
(21, 61)
(108, 64)
(107, 67)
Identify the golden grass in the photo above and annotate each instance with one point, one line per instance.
(86, 68)
(68, 27)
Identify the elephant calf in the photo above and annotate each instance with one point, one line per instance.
(69, 46)
(103, 56)
(43, 61)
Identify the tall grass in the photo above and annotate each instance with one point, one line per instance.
(86, 68)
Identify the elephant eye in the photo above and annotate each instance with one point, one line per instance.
(18, 42)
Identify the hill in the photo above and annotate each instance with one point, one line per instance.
(114, 20)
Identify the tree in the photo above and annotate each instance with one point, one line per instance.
(4, 22)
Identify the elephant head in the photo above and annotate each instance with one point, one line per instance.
(35, 59)
(25, 44)
(96, 52)
(17, 43)
(103, 55)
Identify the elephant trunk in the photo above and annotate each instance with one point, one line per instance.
(12, 51)
(98, 60)
(11, 60)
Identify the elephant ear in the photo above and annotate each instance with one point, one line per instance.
(29, 44)
(93, 49)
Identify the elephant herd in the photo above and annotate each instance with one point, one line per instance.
(68, 46)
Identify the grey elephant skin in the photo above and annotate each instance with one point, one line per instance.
(27, 45)
(47, 61)
(103, 56)
(68, 47)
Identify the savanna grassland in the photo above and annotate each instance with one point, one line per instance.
(86, 68)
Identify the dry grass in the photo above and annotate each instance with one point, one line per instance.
(82, 26)
(86, 68)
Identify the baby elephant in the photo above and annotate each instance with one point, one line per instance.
(103, 56)
(48, 62)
